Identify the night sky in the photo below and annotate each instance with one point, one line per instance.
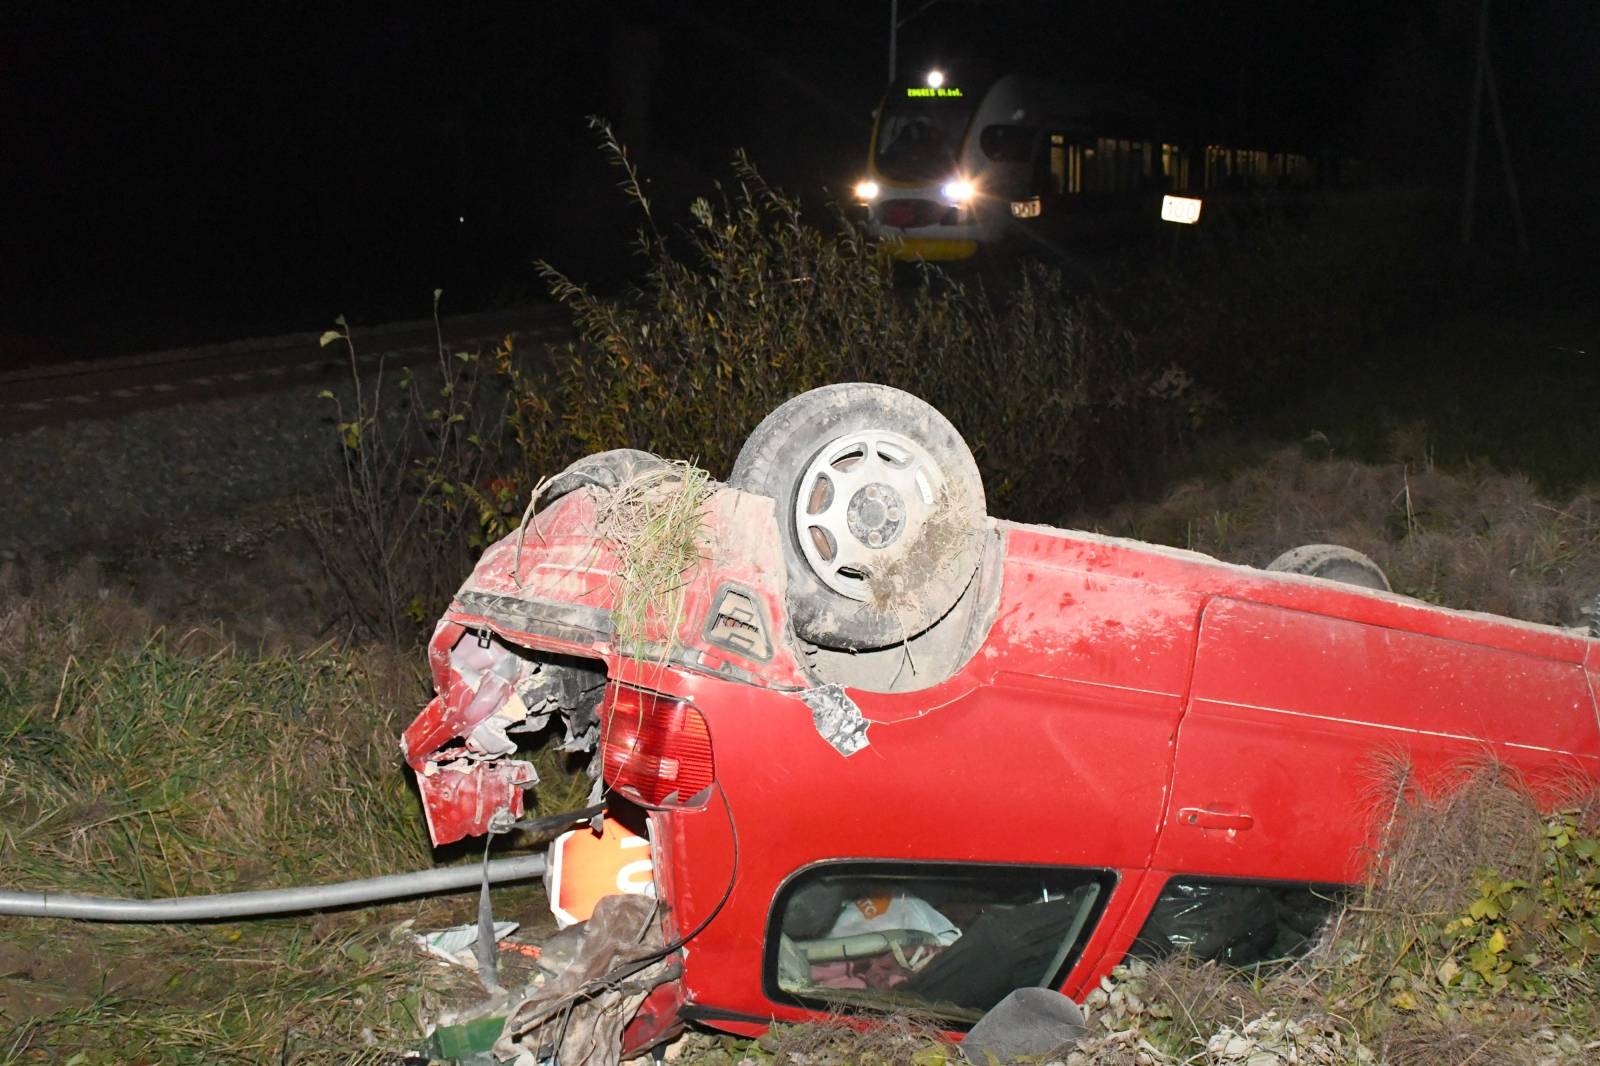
(203, 172)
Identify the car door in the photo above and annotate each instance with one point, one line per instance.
(1299, 724)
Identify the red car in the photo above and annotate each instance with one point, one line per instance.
(889, 752)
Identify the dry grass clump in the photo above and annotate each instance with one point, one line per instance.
(653, 522)
(1437, 844)
(1475, 539)
(902, 1038)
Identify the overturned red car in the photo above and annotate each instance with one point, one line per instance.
(891, 753)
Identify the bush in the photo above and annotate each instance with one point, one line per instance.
(1054, 396)
(1064, 394)
(412, 487)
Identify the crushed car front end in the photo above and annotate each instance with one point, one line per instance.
(530, 653)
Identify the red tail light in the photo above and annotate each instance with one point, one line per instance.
(657, 749)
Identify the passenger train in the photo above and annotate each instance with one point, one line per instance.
(957, 168)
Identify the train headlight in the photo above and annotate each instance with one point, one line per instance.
(959, 192)
(866, 191)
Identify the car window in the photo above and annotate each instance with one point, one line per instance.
(941, 939)
(1237, 922)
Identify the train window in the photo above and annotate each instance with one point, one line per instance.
(1008, 144)
(919, 142)
(1237, 922)
(1058, 164)
(1174, 168)
(943, 939)
(1066, 165)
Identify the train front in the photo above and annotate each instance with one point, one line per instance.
(923, 187)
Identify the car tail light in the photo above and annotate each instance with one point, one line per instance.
(657, 749)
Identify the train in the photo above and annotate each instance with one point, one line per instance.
(958, 167)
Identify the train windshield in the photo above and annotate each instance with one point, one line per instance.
(919, 141)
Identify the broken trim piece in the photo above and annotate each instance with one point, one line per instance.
(529, 614)
(837, 718)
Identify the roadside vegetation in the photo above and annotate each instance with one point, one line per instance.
(147, 754)
(146, 762)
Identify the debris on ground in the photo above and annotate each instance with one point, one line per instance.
(455, 945)
(580, 1015)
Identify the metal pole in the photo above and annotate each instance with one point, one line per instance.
(1474, 120)
(894, 29)
(1505, 154)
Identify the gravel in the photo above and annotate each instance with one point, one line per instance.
(106, 485)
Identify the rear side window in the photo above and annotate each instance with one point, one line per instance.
(1236, 922)
(946, 940)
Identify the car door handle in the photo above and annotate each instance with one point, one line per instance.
(1201, 818)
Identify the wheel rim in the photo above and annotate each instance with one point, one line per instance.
(862, 495)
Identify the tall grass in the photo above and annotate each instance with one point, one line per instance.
(147, 763)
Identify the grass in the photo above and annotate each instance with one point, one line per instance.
(1472, 538)
(146, 762)
(653, 522)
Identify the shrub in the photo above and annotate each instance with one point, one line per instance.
(1048, 388)
(412, 488)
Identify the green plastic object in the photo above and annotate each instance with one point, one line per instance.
(469, 1042)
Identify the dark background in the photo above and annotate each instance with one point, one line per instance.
(203, 172)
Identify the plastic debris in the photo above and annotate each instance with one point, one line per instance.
(454, 945)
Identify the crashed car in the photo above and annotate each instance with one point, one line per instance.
(888, 753)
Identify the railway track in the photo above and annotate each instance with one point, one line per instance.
(109, 388)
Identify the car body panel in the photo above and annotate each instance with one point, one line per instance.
(1131, 709)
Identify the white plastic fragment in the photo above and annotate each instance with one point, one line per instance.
(454, 945)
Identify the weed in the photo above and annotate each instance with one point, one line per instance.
(413, 492)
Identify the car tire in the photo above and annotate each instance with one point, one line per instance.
(1333, 562)
(606, 471)
(881, 509)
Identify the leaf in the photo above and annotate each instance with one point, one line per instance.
(325, 394)
(1404, 1000)
(1497, 942)
(328, 337)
